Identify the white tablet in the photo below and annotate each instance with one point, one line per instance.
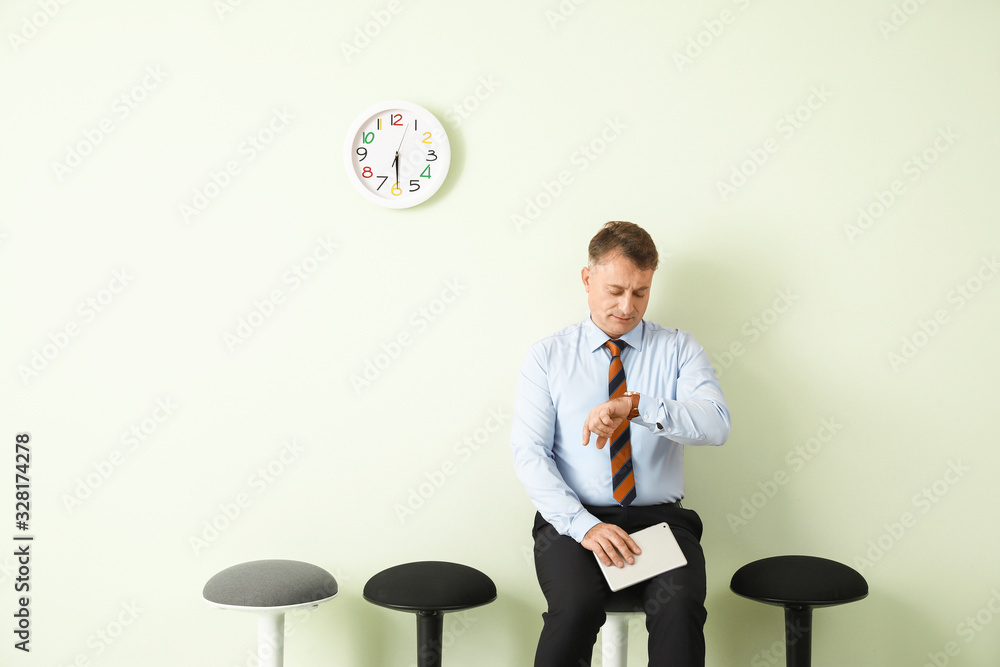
(660, 552)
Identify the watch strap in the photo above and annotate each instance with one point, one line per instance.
(635, 405)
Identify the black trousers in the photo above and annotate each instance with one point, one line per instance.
(575, 591)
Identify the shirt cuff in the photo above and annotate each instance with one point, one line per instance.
(582, 524)
(651, 415)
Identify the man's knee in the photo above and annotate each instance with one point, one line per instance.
(675, 592)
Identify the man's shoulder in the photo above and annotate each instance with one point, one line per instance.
(569, 336)
(663, 335)
(551, 352)
(654, 329)
(658, 335)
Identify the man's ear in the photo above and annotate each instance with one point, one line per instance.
(585, 276)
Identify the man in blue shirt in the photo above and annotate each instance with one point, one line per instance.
(590, 496)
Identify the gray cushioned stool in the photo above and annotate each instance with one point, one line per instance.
(799, 583)
(269, 588)
(430, 589)
(619, 606)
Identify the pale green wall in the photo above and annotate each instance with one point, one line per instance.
(887, 81)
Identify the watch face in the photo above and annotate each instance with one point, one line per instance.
(397, 154)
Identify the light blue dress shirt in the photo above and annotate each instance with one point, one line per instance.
(565, 375)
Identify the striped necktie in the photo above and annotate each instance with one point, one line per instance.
(622, 478)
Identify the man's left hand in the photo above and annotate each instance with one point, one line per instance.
(605, 418)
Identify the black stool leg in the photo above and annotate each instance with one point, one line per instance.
(798, 636)
(430, 627)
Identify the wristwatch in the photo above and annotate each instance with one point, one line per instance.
(634, 395)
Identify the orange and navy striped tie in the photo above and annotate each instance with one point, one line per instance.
(622, 477)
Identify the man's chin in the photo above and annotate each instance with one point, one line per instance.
(618, 327)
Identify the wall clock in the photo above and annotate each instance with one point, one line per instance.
(397, 154)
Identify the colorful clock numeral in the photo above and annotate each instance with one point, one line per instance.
(397, 119)
(368, 137)
(426, 173)
(367, 172)
(427, 138)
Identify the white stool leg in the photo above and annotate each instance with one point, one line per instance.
(271, 639)
(614, 640)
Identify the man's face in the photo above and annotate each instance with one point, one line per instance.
(617, 294)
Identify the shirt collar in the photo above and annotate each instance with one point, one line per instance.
(597, 338)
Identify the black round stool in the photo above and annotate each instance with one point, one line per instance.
(799, 584)
(430, 589)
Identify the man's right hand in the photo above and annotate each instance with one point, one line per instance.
(611, 544)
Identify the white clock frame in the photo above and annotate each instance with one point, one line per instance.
(421, 136)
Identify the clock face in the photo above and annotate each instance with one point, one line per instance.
(397, 154)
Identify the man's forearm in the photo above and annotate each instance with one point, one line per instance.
(694, 422)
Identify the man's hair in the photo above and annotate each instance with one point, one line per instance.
(628, 238)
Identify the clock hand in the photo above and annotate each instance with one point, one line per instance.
(396, 161)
